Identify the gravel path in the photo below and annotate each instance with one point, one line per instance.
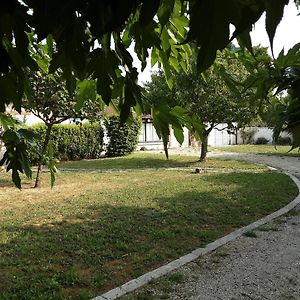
(265, 266)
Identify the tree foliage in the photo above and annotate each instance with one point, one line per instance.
(49, 99)
(17, 140)
(122, 137)
(207, 97)
(278, 77)
(71, 141)
(91, 40)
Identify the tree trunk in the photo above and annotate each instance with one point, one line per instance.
(44, 149)
(204, 147)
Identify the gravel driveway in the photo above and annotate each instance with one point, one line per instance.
(264, 266)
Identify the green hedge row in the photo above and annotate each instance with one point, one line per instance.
(72, 142)
(123, 138)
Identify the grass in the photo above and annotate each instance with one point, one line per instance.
(250, 234)
(261, 149)
(161, 287)
(94, 231)
(152, 161)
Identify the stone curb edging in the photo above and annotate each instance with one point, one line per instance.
(134, 284)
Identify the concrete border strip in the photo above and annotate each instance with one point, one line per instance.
(134, 284)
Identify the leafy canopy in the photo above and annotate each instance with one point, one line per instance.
(209, 97)
(91, 39)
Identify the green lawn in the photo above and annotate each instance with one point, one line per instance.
(260, 149)
(151, 161)
(94, 231)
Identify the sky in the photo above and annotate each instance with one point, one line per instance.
(286, 36)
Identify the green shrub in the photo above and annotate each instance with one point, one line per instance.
(71, 142)
(123, 138)
(261, 141)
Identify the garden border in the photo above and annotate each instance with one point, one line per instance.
(134, 284)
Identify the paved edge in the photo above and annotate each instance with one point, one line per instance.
(134, 284)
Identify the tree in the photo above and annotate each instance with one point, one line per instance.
(50, 100)
(92, 39)
(272, 78)
(52, 103)
(207, 97)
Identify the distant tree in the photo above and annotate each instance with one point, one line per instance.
(278, 79)
(50, 100)
(208, 97)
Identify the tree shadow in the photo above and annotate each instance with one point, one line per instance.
(85, 254)
(129, 163)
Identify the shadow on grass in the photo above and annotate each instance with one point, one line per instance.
(104, 246)
(131, 162)
(6, 182)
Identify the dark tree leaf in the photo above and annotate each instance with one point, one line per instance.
(165, 11)
(274, 15)
(148, 11)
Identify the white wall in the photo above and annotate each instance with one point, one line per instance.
(30, 119)
(153, 142)
(173, 142)
(220, 137)
(259, 132)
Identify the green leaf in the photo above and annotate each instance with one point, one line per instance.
(165, 40)
(16, 178)
(244, 40)
(274, 15)
(51, 163)
(165, 11)
(178, 132)
(161, 125)
(104, 88)
(167, 69)
(85, 90)
(148, 11)
(123, 53)
(209, 27)
(7, 121)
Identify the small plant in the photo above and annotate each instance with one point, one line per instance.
(268, 228)
(176, 277)
(250, 234)
(261, 141)
(141, 149)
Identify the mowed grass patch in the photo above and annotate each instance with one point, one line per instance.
(153, 161)
(261, 149)
(92, 232)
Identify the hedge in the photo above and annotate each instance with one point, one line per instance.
(123, 138)
(72, 142)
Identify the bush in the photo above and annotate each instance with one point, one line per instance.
(261, 141)
(71, 142)
(284, 140)
(123, 138)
